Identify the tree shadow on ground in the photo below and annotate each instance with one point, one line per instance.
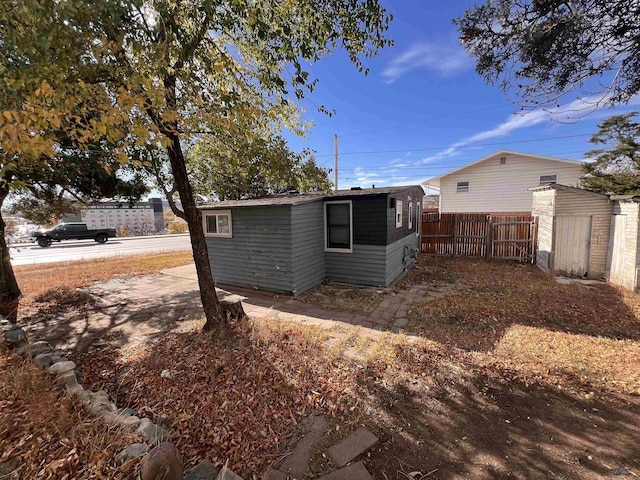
(479, 426)
(503, 294)
(73, 320)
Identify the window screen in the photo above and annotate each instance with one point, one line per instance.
(548, 179)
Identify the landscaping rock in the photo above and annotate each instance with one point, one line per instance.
(355, 444)
(43, 359)
(134, 450)
(162, 463)
(62, 367)
(151, 432)
(357, 471)
(205, 470)
(68, 378)
(226, 474)
(130, 422)
(15, 338)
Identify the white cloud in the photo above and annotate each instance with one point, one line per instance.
(569, 112)
(444, 60)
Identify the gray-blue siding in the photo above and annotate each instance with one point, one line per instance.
(281, 249)
(370, 264)
(259, 253)
(307, 246)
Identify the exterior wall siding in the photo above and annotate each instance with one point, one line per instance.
(600, 208)
(396, 233)
(367, 265)
(502, 188)
(399, 259)
(259, 253)
(307, 245)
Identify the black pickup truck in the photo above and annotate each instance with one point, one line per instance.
(72, 231)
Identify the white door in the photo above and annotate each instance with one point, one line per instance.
(572, 244)
(618, 226)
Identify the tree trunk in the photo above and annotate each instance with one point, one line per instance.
(193, 217)
(9, 290)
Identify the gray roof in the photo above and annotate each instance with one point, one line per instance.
(296, 199)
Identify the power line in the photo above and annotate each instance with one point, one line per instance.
(474, 145)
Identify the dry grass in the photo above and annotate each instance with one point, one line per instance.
(45, 435)
(36, 280)
(516, 317)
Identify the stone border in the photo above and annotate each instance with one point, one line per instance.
(13, 337)
(156, 461)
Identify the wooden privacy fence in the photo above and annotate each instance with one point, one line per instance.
(479, 235)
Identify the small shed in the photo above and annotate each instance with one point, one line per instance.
(624, 251)
(291, 243)
(573, 230)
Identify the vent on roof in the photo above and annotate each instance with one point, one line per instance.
(503, 160)
(356, 188)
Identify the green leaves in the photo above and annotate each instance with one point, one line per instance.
(616, 166)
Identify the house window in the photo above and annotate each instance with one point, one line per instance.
(548, 179)
(418, 217)
(217, 224)
(410, 218)
(398, 214)
(462, 187)
(338, 226)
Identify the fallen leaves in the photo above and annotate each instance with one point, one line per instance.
(46, 435)
(236, 394)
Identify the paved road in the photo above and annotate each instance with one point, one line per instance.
(29, 254)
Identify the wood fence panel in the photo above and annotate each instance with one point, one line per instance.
(479, 235)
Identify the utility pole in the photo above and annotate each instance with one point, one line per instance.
(335, 163)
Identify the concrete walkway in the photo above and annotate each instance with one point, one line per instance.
(132, 311)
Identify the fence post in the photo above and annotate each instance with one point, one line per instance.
(455, 233)
(488, 239)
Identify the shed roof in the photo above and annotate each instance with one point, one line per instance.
(557, 186)
(296, 199)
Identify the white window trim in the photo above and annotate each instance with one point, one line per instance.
(216, 213)
(547, 175)
(418, 218)
(398, 210)
(463, 191)
(326, 237)
(410, 214)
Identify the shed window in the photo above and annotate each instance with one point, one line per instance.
(548, 179)
(398, 214)
(418, 217)
(462, 187)
(338, 226)
(218, 224)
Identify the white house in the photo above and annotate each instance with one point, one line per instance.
(499, 183)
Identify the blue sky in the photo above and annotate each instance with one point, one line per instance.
(423, 110)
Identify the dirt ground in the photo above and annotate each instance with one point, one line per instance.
(513, 377)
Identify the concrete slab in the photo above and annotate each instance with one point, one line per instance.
(355, 444)
(357, 471)
(297, 464)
